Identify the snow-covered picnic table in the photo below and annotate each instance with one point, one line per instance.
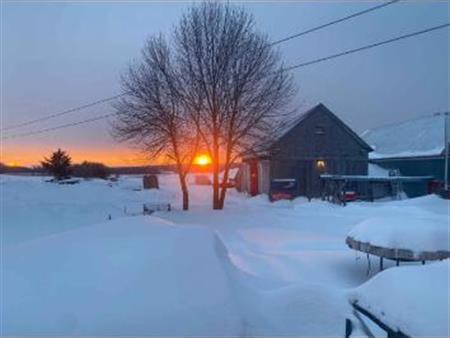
(412, 300)
(402, 238)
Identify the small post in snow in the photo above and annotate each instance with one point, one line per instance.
(446, 150)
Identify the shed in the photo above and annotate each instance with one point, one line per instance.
(150, 182)
(414, 147)
(314, 143)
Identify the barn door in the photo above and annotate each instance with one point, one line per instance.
(318, 167)
(254, 178)
(302, 177)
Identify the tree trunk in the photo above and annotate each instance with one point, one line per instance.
(223, 190)
(223, 193)
(216, 200)
(226, 173)
(216, 168)
(185, 191)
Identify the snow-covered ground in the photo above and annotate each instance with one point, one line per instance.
(255, 268)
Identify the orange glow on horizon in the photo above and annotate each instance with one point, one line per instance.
(203, 160)
(13, 164)
(113, 157)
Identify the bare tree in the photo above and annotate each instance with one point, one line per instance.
(152, 114)
(233, 83)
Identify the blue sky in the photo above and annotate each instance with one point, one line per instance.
(56, 55)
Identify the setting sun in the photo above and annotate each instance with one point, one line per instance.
(13, 164)
(202, 160)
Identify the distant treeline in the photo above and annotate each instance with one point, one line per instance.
(136, 170)
(5, 169)
(79, 170)
(148, 169)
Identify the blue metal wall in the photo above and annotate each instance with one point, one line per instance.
(432, 166)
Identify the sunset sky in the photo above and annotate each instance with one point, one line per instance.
(58, 55)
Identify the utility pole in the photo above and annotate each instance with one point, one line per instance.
(446, 140)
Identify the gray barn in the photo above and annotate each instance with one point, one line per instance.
(317, 142)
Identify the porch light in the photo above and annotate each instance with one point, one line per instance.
(320, 164)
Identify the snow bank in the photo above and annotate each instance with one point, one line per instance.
(131, 276)
(415, 234)
(298, 310)
(304, 308)
(413, 299)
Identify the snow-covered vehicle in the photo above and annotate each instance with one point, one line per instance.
(283, 189)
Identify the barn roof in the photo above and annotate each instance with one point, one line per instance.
(290, 125)
(413, 138)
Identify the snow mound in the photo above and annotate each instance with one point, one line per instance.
(413, 299)
(298, 310)
(409, 233)
(289, 309)
(131, 276)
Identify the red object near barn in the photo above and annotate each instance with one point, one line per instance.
(283, 189)
(277, 196)
(350, 196)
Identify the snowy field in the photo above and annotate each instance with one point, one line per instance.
(78, 260)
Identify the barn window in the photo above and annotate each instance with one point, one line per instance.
(319, 130)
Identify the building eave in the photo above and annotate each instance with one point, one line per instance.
(407, 158)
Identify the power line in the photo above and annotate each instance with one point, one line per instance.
(65, 112)
(72, 110)
(308, 63)
(351, 51)
(345, 18)
(67, 125)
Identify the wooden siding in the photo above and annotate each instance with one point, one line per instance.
(264, 176)
(319, 136)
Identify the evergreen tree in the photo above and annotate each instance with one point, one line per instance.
(59, 164)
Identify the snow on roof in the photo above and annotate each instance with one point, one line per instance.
(283, 180)
(419, 137)
(413, 299)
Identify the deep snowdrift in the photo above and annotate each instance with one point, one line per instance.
(301, 309)
(413, 299)
(135, 277)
